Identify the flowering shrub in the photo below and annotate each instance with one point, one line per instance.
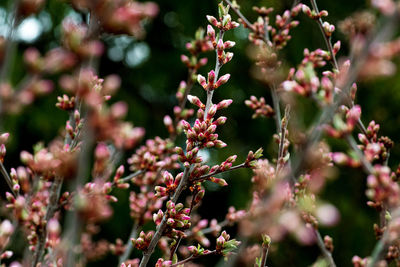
(67, 201)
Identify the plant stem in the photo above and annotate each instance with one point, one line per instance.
(218, 66)
(380, 245)
(277, 109)
(163, 224)
(7, 178)
(328, 40)
(129, 246)
(10, 44)
(191, 257)
(51, 209)
(264, 256)
(203, 177)
(327, 254)
(364, 162)
(130, 177)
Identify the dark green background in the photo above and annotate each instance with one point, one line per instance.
(149, 89)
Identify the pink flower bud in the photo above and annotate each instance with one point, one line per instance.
(212, 20)
(195, 101)
(222, 80)
(211, 112)
(306, 10)
(211, 33)
(229, 44)
(221, 120)
(202, 81)
(224, 104)
(211, 78)
(4, 138)
(185, 59)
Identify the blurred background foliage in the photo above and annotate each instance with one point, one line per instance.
(151, 71)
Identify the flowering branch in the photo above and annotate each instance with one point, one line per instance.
(326, 33)
(163, 224)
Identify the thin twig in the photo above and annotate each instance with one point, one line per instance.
(328, 40)
(206, 176)
(364, 162)
(208, 230)
(380, 245)
(191, 257)
(277, 109)
(129, 246)
(327, 254)
(130, 177)
(7, 178)
(264, 256)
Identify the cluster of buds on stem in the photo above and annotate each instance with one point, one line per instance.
(178, 219)
(276, 35)
(225, 245)
(261, 109)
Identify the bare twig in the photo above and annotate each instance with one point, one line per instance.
(203, 177)
(327, 254)
(129, 246)
(264, 256)
(7, 178)
(191, 257)
(130, 177)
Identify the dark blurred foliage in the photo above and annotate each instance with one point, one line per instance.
(151, 71)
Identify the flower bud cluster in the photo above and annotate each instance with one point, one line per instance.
(170, 184)
(340, 127)
(211, 84)
(261, 109)
(252, 158)
(54, 61)
(202, 134)
(14, 99)
(121, 17)
(75, 38)
(143, 241)
(374, 148)
(154, 155)
(93, 250)
(225, 245)
(92, 202)
(3, 150)
(225, 22)
(279, 31)
(382, 190)
(106, 122)
(142, 205)
(178, 219)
